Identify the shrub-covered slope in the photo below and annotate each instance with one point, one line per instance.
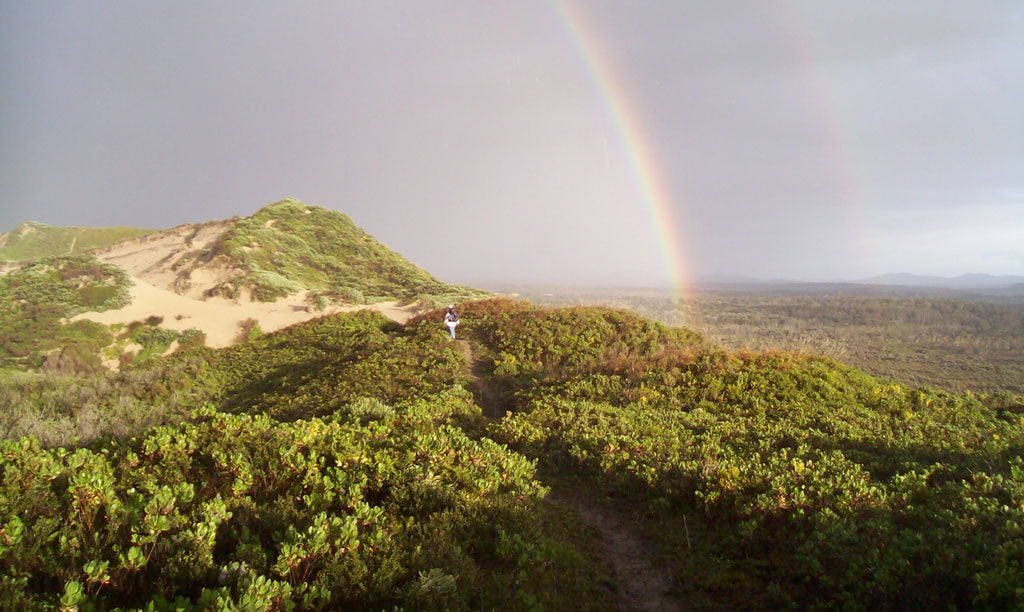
(288, 247)
(336, 465)
(37, 298)
(34, 240)
(340, 464)
(808, 484)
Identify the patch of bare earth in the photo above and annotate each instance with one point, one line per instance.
(176, 278)
(219, 318)
(74, 241)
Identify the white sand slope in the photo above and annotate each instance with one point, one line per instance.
(220, 318)
(154, 258)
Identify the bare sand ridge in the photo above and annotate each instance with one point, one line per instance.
(220, 319)
(153, 258)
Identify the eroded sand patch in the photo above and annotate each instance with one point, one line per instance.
(220, 319)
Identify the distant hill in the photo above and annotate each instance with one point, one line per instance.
(213, 283)
(964, 281)
(33, 240)
(284, 249)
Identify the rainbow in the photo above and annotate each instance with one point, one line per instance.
(825, 109)
(639, 151)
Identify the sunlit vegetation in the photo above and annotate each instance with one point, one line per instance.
(37, 240)
(288, 247)
(341, 464)
(810, 484)
(336, 465)
(946, 343)
(38, 298)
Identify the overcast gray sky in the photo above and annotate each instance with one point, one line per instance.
(813, 140)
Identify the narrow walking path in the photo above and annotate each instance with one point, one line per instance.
(486, 396)
(638, 582)
(71, 249)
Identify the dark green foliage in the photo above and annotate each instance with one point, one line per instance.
(36, 298)
(353, 478)
(288, 246)
(368, 509)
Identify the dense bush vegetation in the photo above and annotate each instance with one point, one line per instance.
(369, 508)
(819, 486)
(35, 301)
(950, 344)
(352, 476)
(340, 464)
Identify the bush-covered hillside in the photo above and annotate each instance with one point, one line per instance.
(37, 298)
(337, 465)
(951, 344)
(808, 484)
(288, 247)
(34, 240)
(341, 464)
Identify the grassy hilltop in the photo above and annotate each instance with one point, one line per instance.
(289, 247)
(34, 240)
(353, 463)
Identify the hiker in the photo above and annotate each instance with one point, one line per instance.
(451, 319)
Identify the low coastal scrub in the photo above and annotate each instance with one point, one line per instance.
(810, 483)
(374, 507)
(38, 298)
(341, 464)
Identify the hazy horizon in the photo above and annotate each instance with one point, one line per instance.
(587, 143)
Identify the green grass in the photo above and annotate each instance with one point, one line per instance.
(33, 240)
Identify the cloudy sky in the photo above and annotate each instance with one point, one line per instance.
(538, 141)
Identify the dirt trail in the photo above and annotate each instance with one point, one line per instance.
(71, 249)
(639, 583)
(487, 398)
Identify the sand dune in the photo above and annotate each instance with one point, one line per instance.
(220, 318)
(155, 258)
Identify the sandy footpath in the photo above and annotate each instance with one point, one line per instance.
(220, 318)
